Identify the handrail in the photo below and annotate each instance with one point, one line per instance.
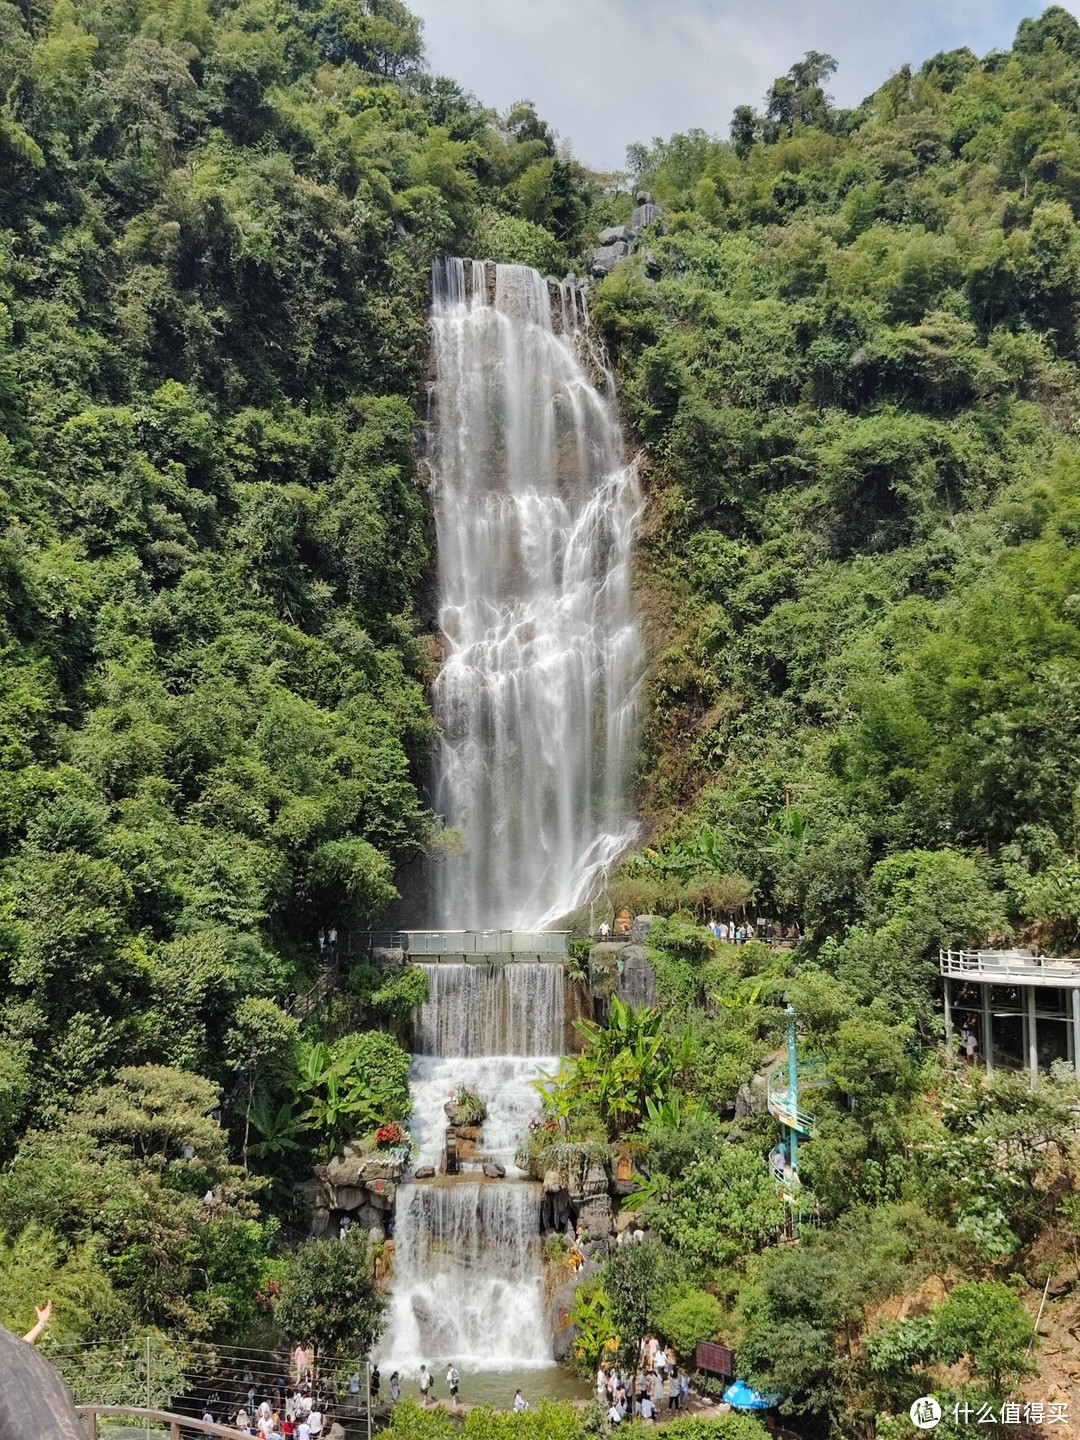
(811, 1073)
(176, 1423)
(1009, 964)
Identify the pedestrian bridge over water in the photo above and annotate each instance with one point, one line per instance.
(482, 947)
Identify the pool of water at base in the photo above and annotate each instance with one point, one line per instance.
(496, 1387)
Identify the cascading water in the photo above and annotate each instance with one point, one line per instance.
(468, 1280)
(491, 1010)
(536, 510)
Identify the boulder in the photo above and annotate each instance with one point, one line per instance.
(552, 1181)
(604, 259)
(320, 1222)
(637, 982)
(653, 269)
(614, 233)
(752, 1099)
(493, 1170)
(641, 927)
(349, 1197)
(646, 212)
(563, 1333)
(425, 1172)
(596, 1216)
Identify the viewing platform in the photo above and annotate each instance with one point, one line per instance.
(1013, 1008)
(479, 947)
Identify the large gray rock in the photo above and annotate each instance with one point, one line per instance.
(752, 1099)
(596, 1216)
(614, 233)
(563, 1333)
(425, 1172)
(647, 212)
(606, 257)
(493, 1170)
(641, 927)
(637, 980)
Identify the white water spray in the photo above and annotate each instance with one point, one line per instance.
(536, 511)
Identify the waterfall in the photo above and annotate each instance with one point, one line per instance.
(468, 1281)
(468, 1284)
(511, 1009)
(536, 511)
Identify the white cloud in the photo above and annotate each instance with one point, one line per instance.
(606, 73)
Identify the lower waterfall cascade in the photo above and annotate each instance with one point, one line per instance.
(468, 1281)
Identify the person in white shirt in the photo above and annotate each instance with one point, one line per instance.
(615, 1414)
(425, 1383)
(646, 1409)
(208, 1419)
(315, 1421)
(520, 1403)
(303, 1431)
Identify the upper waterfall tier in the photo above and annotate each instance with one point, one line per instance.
(472, 1010)
(536, 511)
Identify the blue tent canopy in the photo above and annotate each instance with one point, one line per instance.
(742, 1396)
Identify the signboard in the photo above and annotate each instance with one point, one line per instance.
(715, 1359)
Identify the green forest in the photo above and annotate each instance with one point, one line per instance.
(848, 363)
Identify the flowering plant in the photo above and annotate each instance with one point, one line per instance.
(390, 1134)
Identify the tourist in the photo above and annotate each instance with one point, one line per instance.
(601, 1383)
(453, 1380)
(660, 1362)
(354, 1386)
(646, 1409)
(303, 1430)
(657, 1389)
(684, 1389)
(315, 1420)
(425, 1384)
(331, 940)
(374, 1383)
(322, 943)
(639, 1236)
(208, 1419)
(242, 1419)
(344, 1227)
(395, 1388)
(520, 1403)
(614, 1414)
(671, 1386)
(605, 930)
(971, 1044)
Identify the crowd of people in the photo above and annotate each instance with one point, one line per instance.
(660, 1385)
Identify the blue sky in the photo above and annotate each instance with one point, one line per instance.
(605, 73)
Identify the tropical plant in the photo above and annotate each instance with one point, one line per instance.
(624, 1063)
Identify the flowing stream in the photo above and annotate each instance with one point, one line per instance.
(536, 510)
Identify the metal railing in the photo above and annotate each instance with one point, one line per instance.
(1005, 966)
(432, 944)
(179, 1425)
(778, 1098)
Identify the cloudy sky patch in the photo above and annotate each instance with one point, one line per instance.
(606, 73)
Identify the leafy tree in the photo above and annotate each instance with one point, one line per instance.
(632, 1278)
(327, 1297)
